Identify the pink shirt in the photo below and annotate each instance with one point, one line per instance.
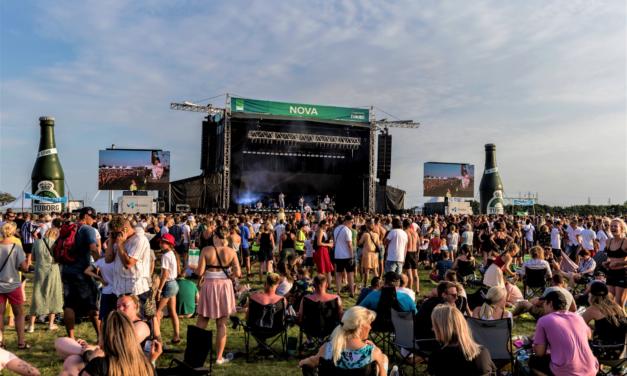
(566, 336)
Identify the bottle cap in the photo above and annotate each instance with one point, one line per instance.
(490, 147)
(46, 119)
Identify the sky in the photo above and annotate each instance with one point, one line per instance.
(543, 80)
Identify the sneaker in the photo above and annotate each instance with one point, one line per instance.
(53, 327)
(222, 361)
(30, 329)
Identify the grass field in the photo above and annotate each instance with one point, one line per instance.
(43, 356)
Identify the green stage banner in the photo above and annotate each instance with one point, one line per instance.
(308, 111)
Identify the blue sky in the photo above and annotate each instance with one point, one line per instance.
(544, 81)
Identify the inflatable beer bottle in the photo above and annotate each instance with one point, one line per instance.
(47, 178)
(491, 187)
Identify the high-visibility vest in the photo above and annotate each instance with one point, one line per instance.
(299, 243)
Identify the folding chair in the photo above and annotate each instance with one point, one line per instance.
(327, 368)
(318, 321)
(496, 336)
(612, 355)
(382, 331)
(267, 324)
(199, 346)
(534, 282)
(404, 339)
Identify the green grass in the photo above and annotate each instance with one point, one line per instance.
(43, 356)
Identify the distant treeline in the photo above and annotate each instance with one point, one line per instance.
(609, 210)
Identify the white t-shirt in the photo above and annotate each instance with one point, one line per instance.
(133, 280)
(397, 245)
(588, 237)
(467, 238)
(602, 237)
(572, 235)
(186, 231)
(168, 262)
(556, 240)
(342, 237)
(529, 229)
(108, 274)
(453, 239)
(407, 291)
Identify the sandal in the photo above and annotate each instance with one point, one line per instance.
(23, 346)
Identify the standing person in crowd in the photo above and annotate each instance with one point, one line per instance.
(589, 240)
(344, 254)
(529, 230)
(129, 249)
(12, 259)
(79, 291)
(266, 248)
(459, 354)
(168, 287)
(616, 250)
(382, 232)
(556, 240)
(47, 287)
(349, 347)
(244, 232)
(368, 241)
(453, 240)
(104, 272)
(566, 335)
(396, 243)
(410, 266)
(468, 237)
(321, 256)
(603, 235)
(29, 232)
(574, 239)
(217, 297)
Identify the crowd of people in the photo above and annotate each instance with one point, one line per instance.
(126, 273)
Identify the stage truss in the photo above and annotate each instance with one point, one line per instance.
(271, 137)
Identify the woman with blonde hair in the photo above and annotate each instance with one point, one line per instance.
(459, 354)
(494, 306)
(47, 285)
(122, 355)
(616, 250)
(349, 347)
(12, 260)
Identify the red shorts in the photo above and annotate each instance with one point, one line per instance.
(15, 297)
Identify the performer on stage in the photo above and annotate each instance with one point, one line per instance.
(281, 200)
(301, 203)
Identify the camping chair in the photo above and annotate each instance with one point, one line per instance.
(199, 346)
(318, 321)
(404, 339)
(382, 329)
(496, 336)
(267, 324)
(327, 368)
(534, 282)
(612, 355)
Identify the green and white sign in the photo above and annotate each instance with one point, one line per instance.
(300, 110)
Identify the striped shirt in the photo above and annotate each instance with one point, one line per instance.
(28, 231)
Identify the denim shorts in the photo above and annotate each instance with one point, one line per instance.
(170, 289)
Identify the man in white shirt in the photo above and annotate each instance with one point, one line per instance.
(529, 229)
(396, 242)
(467, 237)
(556, 240)
(574, 238)
(344, 254)
(588, 238)
(131, 256)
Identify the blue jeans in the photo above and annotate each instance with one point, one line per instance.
(394, 266)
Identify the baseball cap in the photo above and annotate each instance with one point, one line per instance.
(598, 289)
(168, 238)
(87, 210)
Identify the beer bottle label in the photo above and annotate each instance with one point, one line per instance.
(491, 170)
(46, 188)
(45, 152)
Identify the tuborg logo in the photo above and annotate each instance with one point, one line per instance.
(300, 110)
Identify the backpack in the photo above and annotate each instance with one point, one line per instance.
(64, 251)
(177, 232)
